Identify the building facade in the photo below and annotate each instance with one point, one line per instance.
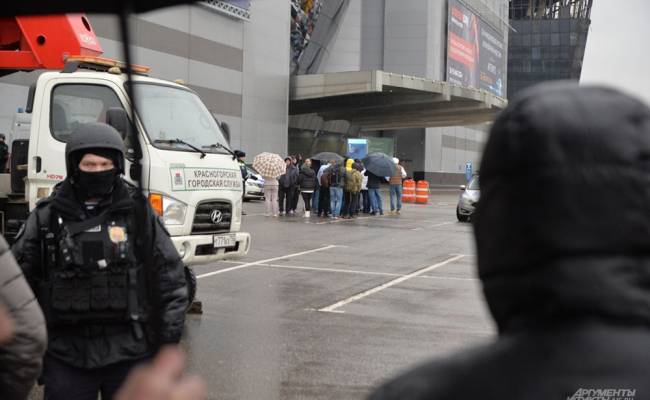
(234, 54)
(547, 41)
(408, 37)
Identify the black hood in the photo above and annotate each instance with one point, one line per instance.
(563, 224)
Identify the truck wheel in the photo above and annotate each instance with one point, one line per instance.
(190, 278)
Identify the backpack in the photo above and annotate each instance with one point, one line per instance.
(336, 176)
(325, 179)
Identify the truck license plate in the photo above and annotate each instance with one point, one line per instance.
(224, 240)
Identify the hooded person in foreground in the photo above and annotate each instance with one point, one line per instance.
(563, 239)
(105, 272)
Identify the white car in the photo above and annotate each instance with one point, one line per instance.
(468, 199)
(254, 187)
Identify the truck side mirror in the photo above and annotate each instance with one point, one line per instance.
(118, 119)
(225, 128)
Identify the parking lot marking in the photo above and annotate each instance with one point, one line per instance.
(346, 271)
(448, 278)
(333, 307)
(443, 224)
(345, 220)
(359, 272)
(268, 260)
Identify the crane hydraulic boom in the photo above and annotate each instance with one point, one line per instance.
(44, 42)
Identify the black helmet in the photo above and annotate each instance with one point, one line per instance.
(239, 154)
(93, 135)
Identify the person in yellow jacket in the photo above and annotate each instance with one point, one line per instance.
(352, 188)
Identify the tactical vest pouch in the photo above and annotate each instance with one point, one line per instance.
(62, 287)
(118, 287)
(81, 293)
(100, 291)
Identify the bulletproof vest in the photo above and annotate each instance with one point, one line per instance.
(93, 271)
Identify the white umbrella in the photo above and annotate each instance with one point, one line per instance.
(269, 164)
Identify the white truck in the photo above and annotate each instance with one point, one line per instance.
(187, 170)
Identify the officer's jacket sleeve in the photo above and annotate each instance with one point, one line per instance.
(171, 285)
(21, 357)
(27, 250)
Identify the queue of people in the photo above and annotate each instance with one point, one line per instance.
(332, 189)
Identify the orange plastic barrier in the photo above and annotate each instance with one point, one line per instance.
(408, 191)
(422, 192)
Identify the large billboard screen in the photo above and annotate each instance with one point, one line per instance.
(476, 53)
(357, 148)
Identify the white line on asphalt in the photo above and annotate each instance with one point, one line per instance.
(356, 271)
(250, 264)
(347, 271)
(333, 307)
(448, 278)
(343, 220)
(443, 224)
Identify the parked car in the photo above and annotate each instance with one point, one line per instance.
(468, 200)
(254, 188)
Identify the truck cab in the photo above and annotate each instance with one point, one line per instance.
(187, 170)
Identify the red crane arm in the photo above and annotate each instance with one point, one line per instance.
(44, 42)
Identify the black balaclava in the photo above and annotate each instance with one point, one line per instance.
(88, 185)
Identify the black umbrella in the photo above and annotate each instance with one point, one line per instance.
(327, 156)
(379, 164)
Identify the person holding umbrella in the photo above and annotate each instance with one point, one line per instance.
(396, 187)
(324, 194)
(373, 192)
(378, 166)
(270, 166)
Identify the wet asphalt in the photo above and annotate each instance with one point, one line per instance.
(327, 310)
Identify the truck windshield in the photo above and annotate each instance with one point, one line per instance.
(170, 113)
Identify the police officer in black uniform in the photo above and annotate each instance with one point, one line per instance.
(108, 278)
(245, 175)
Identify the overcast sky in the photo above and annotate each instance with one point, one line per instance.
(618, 46)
